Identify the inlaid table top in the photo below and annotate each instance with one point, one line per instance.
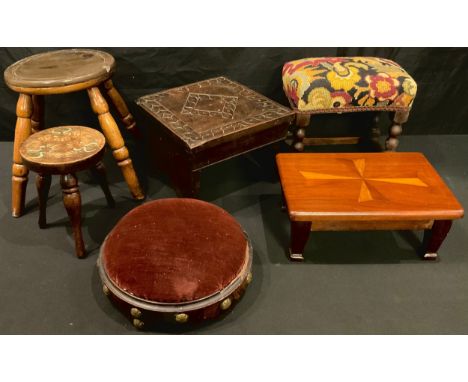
(63, 149)
(370, 186)
(59, 68)
(213, 109)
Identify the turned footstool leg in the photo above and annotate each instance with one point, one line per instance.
(302, 122)
(99, 172)
(299, 235)
(43, 182)
(115, 141)
(434, 237)
(72, 202)
(37, 118)
(122, 109)
(395, 130)
(19, 171)
(375, 132)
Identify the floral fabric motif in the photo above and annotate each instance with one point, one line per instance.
(330, 83)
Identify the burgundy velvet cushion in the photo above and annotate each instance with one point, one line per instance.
(174, 250)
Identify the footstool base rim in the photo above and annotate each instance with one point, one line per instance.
(165, 307)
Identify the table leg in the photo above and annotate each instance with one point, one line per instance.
(115, 141)
(395, 130)
(20, 171)
(122, 109)
(43, 182)
(434, 237)
(72, 202)
(99, 172)
(37, 118)
(299, 236)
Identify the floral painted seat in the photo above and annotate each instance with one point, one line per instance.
(348, 84)
(335, 84)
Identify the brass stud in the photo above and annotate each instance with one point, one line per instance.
(138, 323)
(106, 290)
(181, 318)
(226, 303)
(135, 312)
(248, 279)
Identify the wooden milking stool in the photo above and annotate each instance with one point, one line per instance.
(64, 151)
(61, 72)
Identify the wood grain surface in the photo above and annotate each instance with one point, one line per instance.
(63, 149)
(364, 186)
(210, 110)
(59, 68)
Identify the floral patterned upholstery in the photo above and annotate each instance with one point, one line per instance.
(344, 84)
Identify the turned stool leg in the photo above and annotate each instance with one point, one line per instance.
(395, 130)
(43, 182)
(19, 171)
(99, 172)
(375, 131)
(302, 122)
(122, 108)
(434, 237)
(299, 235)
(72, 202)
(115, 141)
(37, 118)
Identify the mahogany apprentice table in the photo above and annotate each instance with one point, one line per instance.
(207, 122)
(372, 191)
(61, 72)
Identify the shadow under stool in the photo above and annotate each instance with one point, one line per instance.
(64, 151)
(62, 72)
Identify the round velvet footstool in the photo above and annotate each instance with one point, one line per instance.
(177, 260)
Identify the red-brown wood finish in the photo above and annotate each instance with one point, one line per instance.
(366, 191)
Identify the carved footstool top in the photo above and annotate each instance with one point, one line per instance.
(213, 110)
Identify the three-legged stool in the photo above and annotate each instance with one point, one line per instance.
(60, 72)
(63, 151)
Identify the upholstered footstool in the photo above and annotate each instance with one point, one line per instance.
(176, 260)
(348, 84)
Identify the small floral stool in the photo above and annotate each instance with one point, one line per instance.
(179, 261)
(348, 84)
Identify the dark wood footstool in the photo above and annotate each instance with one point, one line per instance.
(175, 260)
(378, 191)
(207, 122)
(64, 151)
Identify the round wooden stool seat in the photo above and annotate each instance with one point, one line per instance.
(175, 259)
(63, 149)
(59, 69)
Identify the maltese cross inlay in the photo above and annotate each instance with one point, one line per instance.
(365, 194)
